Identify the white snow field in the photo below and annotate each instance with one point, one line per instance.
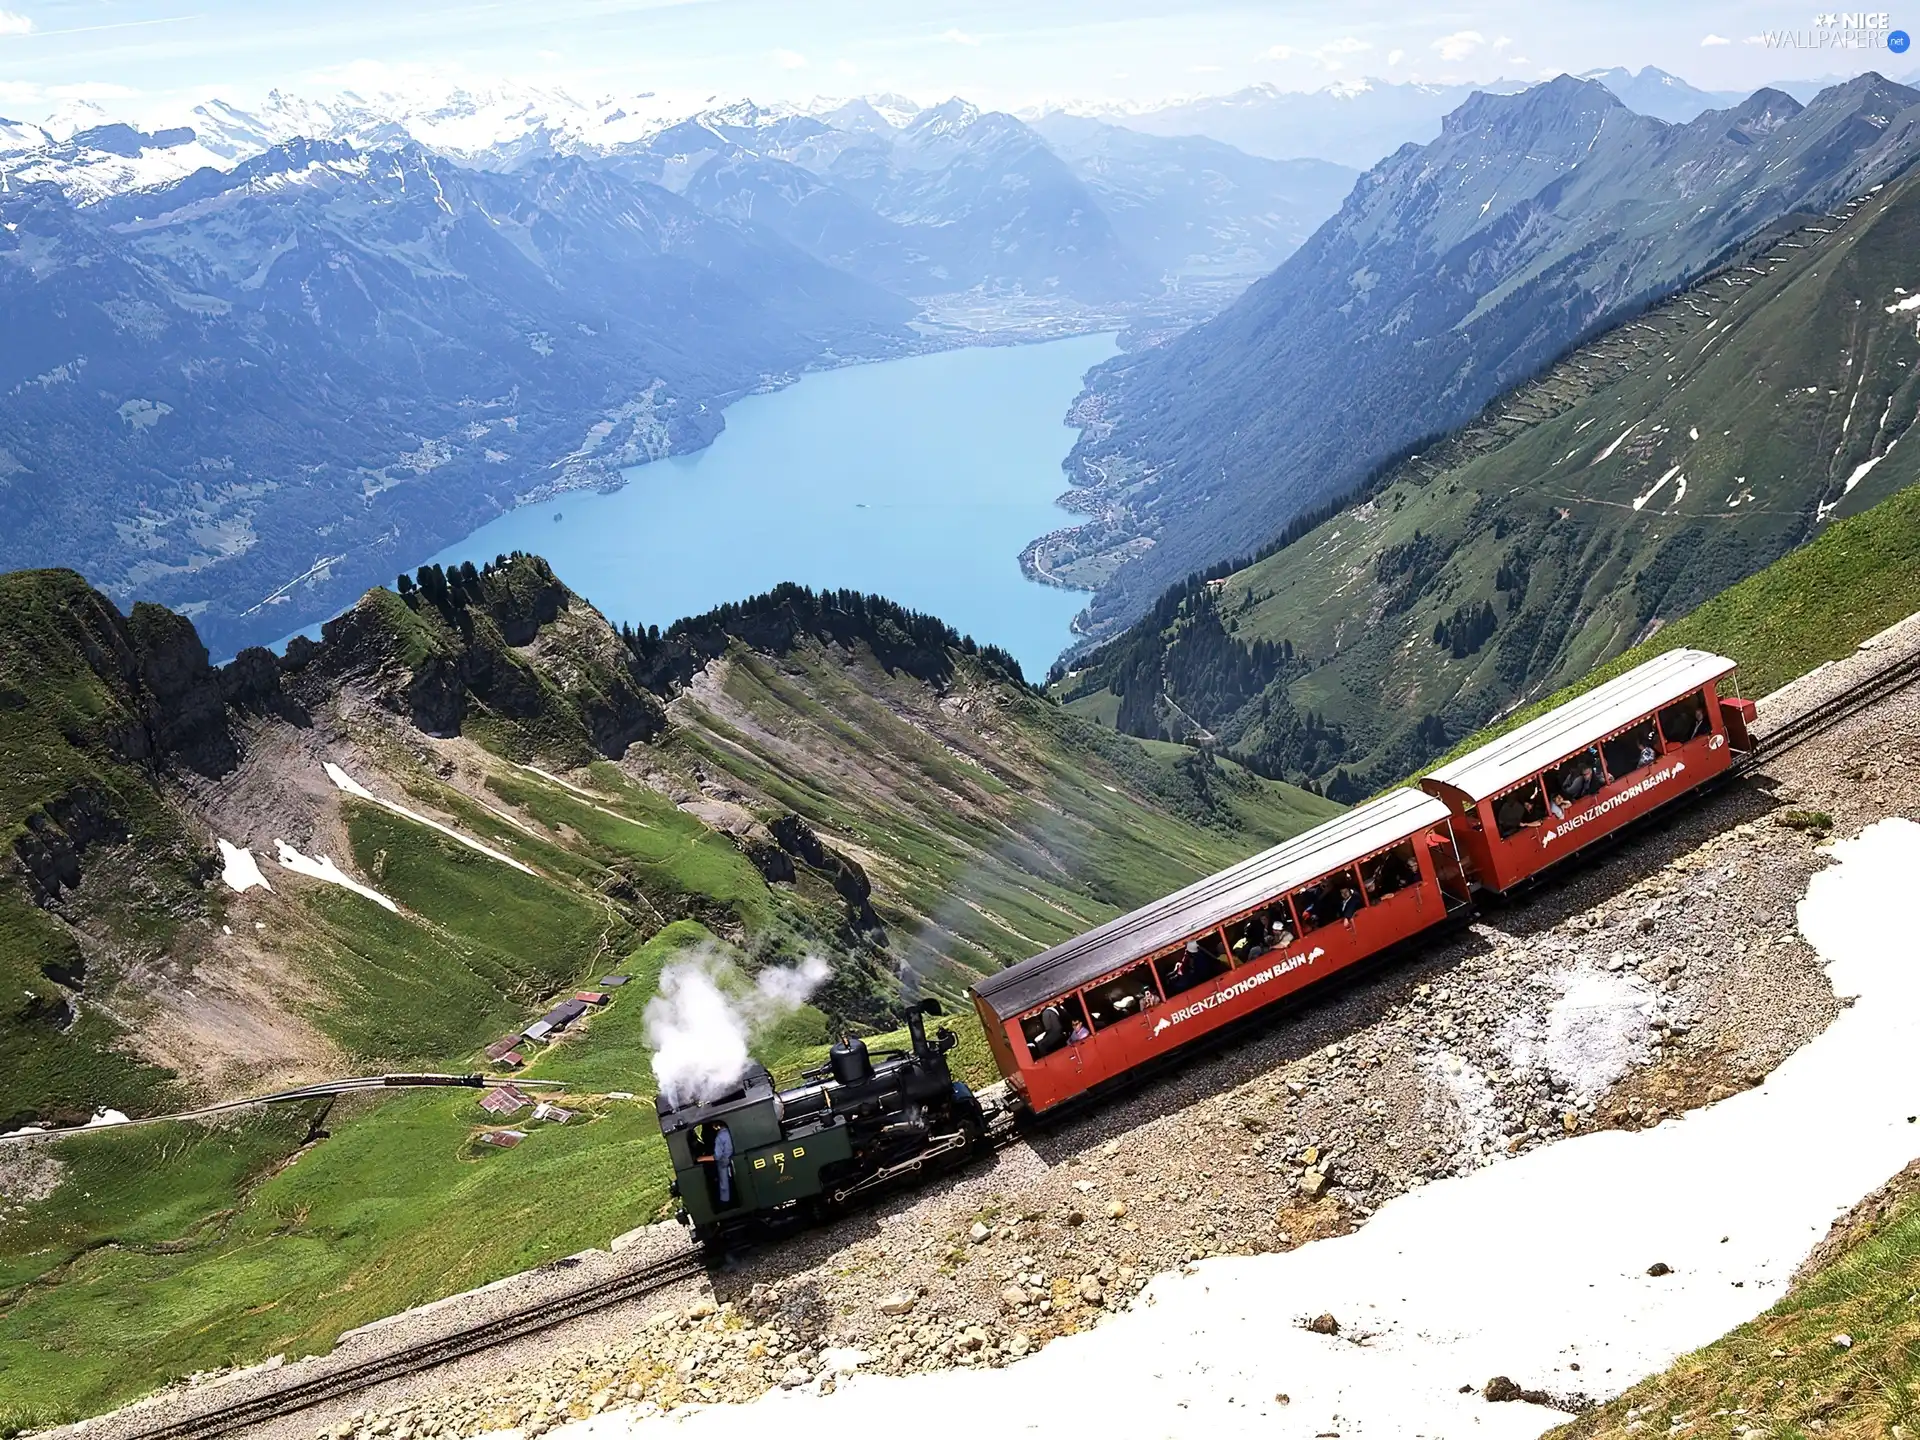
(239, 869)
(1524, 1268)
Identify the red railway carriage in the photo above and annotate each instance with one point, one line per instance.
(1127, 993)
(1555, 785)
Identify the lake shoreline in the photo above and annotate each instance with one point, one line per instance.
(920, 478)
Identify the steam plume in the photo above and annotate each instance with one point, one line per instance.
(706, 1015)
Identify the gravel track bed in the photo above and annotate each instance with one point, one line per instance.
(1657, 976)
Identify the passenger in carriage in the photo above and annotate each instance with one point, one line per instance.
(1519, 810)
(1078, 1033)
(1685, 721)
(1280, 926)
(1350, 902)
(1575, 780)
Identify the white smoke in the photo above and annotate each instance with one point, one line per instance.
(707, 1013)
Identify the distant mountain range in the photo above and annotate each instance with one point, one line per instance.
(251, 381)
(1357, 122)
(1451, 273)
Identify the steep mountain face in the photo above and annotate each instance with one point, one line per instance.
(247, 393)
(1193, 206)
(825, 772)
(957, 200)
(1451, 273)
(1575, 516)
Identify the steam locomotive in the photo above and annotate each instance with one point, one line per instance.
(757, 1160)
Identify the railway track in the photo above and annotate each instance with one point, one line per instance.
(1814, 720)
(241, 1414)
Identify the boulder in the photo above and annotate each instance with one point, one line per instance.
(1324, 1324)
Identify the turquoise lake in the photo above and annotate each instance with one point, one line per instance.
(919, 479)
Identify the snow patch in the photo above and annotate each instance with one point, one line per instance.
(1640, 501)
(324, 869)
(1518, 1269)
(239, 869)
(1616, 444)
(1593, 1034)
(1912, 302)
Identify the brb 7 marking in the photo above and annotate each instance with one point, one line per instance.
(1632, 792)
(1236, 990)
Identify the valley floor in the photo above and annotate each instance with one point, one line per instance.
(1668, 976)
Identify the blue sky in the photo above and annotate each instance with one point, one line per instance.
(138, 54)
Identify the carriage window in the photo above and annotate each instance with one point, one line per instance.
(1575, 779)
(1051, 1026)
(1631, 750)
(1390, 873)
(1521, 808)
(1195, 963)
(1330, 898)
(1122, 996)
(1685, 719)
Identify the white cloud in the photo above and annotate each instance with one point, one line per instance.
(1345, 45)
(13, 24)
(845, 67)
(1503, 42)
(1754, 40)
(1715, 40)
(1394, 56)
(958, 37)
(790, 59)
(1460, 44)
(1280, 52)
(1518, 60)
(19, 92)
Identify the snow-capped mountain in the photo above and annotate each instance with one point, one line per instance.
(108, 160)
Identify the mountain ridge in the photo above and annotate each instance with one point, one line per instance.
(1282, 401)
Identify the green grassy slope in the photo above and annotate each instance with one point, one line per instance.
(1772, 400)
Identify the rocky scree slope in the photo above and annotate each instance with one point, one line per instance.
(1453, 272)
(1576, 515)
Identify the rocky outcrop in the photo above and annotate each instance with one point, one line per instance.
(800, 840)
(461, 642)
(48, 850)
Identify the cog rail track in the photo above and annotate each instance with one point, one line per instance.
(1868, 691)
(378, 1370)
